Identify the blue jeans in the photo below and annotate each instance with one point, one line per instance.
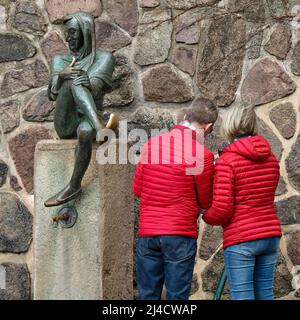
(165, 260)
(250, 268)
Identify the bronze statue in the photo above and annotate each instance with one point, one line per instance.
(78, 84)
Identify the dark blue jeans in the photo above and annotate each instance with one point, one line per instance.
(165, 260)
(250, 268)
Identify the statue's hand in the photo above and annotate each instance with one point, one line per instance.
(66, 74)
(80, 77)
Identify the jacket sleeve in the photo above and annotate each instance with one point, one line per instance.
(138, 180)
(137, 185)
(223, 195)
(204, 182)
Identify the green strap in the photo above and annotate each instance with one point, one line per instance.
(220, 285)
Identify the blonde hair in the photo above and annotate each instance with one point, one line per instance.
(240, 120)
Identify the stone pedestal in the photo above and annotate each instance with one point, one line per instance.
(94, 258)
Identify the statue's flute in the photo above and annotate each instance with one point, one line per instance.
(73, 62)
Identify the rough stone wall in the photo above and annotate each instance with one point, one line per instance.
(168, 52)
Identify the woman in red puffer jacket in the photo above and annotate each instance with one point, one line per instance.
(246, 177)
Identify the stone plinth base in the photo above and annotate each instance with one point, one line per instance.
(94, 258)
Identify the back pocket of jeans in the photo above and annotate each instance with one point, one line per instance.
(179, 248)
(143, 246)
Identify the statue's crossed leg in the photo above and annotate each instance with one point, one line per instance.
(75, 115)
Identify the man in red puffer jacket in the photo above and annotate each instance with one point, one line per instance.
(174, 180)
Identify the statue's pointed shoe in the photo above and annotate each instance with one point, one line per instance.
(113, 122)
(65, 195)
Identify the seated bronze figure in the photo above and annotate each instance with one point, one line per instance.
(78, 83)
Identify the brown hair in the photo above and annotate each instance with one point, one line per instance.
(202, 111)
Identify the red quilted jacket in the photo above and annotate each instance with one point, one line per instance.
(170, 198)
(246, 177)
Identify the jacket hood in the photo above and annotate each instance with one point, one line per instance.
(256, 148)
